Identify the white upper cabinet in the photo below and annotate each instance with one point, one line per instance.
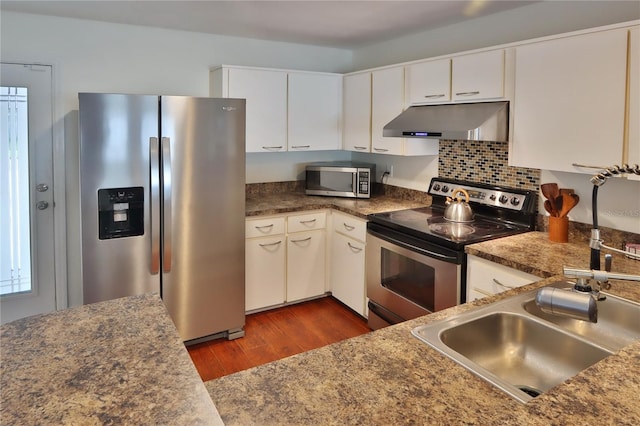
(356, 125)
(387, 100)
(315, 109)
(478, 76)
(286, 110)
(634, 100)
(570, 102)
(266, 95)
(428, 82)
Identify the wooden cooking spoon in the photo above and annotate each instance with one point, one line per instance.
(550, 191)
(569, 201)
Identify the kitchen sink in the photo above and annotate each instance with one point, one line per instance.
(618, 321)
(524, 351)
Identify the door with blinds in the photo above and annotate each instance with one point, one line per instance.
(27, 271)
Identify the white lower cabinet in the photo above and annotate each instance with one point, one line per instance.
(486, 278)
(305, 265)
(265, 262)
(284, 259)
(347, 250)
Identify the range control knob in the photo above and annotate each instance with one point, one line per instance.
(515, 201)
(436, 187)
(445, 189)
(492, 197)
(503, 199)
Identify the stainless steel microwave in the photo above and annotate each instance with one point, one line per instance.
(340, 179)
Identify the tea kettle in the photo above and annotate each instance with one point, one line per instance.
(458, 210)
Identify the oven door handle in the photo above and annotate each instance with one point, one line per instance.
(413, 248)
(385, 316)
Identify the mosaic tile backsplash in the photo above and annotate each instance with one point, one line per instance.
(484, 162)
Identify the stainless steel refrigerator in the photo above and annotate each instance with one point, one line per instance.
(162, 182)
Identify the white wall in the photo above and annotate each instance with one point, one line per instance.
(100, 57)
(527, 22)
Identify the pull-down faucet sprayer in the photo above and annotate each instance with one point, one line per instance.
(580, 301)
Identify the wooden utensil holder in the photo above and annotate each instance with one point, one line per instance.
(559, 229)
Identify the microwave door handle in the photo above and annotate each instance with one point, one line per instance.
(354, 182)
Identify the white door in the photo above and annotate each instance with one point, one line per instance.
(27, 273)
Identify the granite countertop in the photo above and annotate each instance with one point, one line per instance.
(115, 362)
(277, 203)
(390, 377)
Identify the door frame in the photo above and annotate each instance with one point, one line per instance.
(58, 185)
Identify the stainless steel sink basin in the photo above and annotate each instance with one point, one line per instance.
(523, 351)
(618, 321)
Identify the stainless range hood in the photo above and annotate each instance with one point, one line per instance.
(485, 121)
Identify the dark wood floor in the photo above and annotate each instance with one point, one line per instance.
(276, 334)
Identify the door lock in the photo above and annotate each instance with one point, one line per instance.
(42, 187)
(42, 205)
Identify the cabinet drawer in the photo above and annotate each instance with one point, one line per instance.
(488, 277)
(306, 222)
(264, 227)
(349, 225)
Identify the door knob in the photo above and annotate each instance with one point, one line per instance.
(42, 205)
(42, 187)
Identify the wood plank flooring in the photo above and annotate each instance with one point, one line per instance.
(276, 334)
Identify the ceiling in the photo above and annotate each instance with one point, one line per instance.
(341, 24)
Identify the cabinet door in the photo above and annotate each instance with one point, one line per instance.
(634, 99)
(315, 108)
(356, 135)
(569, 102)
(387, 99)
(347, 272)
(428, 82)
(485, 277)
(264, 272)
(478, 76)
(305, 265)
(266, 95)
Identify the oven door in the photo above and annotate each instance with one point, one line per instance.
(408, 278)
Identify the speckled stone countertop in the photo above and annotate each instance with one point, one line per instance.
(116, 362)
(277, 203)
(389, 377)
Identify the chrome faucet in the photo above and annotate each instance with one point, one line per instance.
(580, 302)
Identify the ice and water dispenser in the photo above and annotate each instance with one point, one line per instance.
(120, 212)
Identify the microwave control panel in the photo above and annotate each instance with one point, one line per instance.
(363, 182)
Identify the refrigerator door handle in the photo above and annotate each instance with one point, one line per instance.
(166, 204)
(154, 176)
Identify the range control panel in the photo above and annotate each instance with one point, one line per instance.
(489, 197)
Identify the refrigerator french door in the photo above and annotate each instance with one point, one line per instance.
(162, 182)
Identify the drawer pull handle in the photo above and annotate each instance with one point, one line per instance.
(271, 148)
(354, 248)
(502, 285)
(486, 293)
(476, 92)
(301, 146)
(380, 149)
(348, 227)
(302, 240)
(264, 226)
(434, 96)
(586, 166)
(308, 221)
(361, 148)
(270, 244)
